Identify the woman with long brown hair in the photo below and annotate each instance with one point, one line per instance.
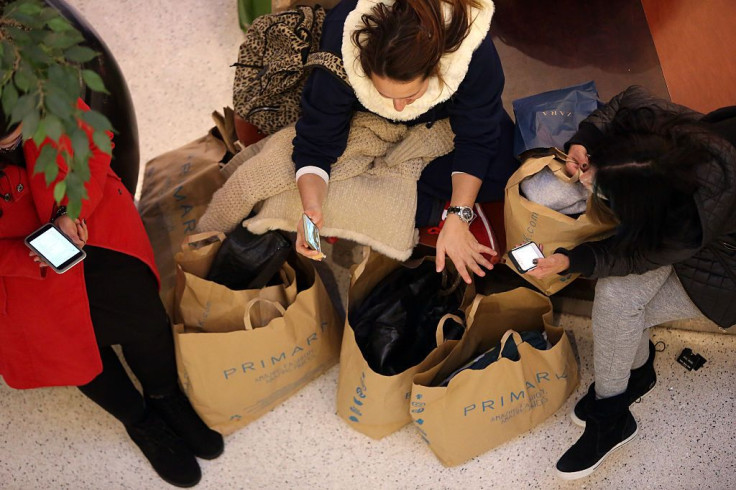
(413, 62)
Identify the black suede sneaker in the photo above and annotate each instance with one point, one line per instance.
(167, 452)
(610, 426)
(641, 382)
(176, 410)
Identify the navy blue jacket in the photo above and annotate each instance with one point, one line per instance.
(475, 110)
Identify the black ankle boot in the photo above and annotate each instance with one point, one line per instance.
(641, 382)
(176, 410)
(610, 426)
(167, 452)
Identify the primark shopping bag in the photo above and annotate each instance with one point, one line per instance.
(177, 187)
(372, 403)
(233, 373)
(206, 305)
(480, 409)
(526, 221)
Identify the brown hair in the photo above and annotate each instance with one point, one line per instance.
(405, 41)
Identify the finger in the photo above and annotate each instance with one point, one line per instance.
(481, 260)
(82, 233)
(309, 253)
(473, 266)
(464, 274)
(440, 259)
(486, 250)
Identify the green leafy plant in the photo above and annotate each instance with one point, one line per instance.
(41, 77)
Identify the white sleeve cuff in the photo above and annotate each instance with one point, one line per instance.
(458, 172)
(312, 169)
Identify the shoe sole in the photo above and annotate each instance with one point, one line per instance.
(588, 471)
(210, 456)
(581, 423)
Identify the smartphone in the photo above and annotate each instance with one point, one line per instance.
(55, 248)
(311, 234)
(523, 255)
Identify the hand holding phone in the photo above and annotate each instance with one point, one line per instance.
(55, 248)
(523, 256)
(311, 235)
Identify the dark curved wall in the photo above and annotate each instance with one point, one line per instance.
(117, 105)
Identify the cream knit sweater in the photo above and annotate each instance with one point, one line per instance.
(372, 192)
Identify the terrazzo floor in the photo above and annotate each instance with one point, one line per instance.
(176, 57)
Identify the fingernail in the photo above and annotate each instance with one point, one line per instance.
(534, 261)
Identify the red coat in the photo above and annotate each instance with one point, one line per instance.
(46, 334)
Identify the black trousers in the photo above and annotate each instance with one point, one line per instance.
(126, 310)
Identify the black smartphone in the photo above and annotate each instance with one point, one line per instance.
(55, 248)
(522, 256)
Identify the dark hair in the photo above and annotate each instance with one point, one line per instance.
(645, 169)
(5, 127)
(405, 41)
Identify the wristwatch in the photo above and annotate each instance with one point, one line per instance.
(465, 213)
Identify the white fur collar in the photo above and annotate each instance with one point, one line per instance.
(453, 66)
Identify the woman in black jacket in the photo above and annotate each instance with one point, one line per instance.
(668, 175)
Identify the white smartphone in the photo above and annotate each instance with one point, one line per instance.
(55, 248)
(523, 256)
(311, 234)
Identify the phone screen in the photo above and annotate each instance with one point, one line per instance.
(55, 248)
(523, 256)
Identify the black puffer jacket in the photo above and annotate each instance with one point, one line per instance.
(707, 269)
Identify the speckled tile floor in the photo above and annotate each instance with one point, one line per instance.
(175, 56)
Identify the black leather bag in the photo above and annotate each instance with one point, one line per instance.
(395, 325)
(249, 261)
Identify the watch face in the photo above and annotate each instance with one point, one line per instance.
(466, 214)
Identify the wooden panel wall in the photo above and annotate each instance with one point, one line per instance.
(696, 44)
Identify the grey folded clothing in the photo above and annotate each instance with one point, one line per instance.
(549, 191)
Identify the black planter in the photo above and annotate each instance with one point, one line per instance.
(117, 106)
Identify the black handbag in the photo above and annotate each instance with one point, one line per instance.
(249, 261)
(395, 325)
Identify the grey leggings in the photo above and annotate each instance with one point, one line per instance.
(623, 310)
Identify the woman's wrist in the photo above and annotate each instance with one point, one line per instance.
(60, 211)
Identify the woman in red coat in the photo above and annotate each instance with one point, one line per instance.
(58, 329)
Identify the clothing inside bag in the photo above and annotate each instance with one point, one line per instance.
(536, 339)
(249, 261)
(395, 325)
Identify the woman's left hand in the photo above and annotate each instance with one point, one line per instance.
(76, 229)
(460, 245)
(554, 264)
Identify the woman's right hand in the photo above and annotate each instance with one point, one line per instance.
(76, 230)
(312, 190)
(577, 160)
(315, 214)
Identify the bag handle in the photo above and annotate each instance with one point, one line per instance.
(557, 167)
(505, 338)
(249, 306)
(200, 240)
(470, 314)
(439, 334)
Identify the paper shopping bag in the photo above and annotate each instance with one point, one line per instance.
(370, 402)
(480, 409)
(234, 377)
(527, 221)
(209, 306)
(551, 118)
(177, 187)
